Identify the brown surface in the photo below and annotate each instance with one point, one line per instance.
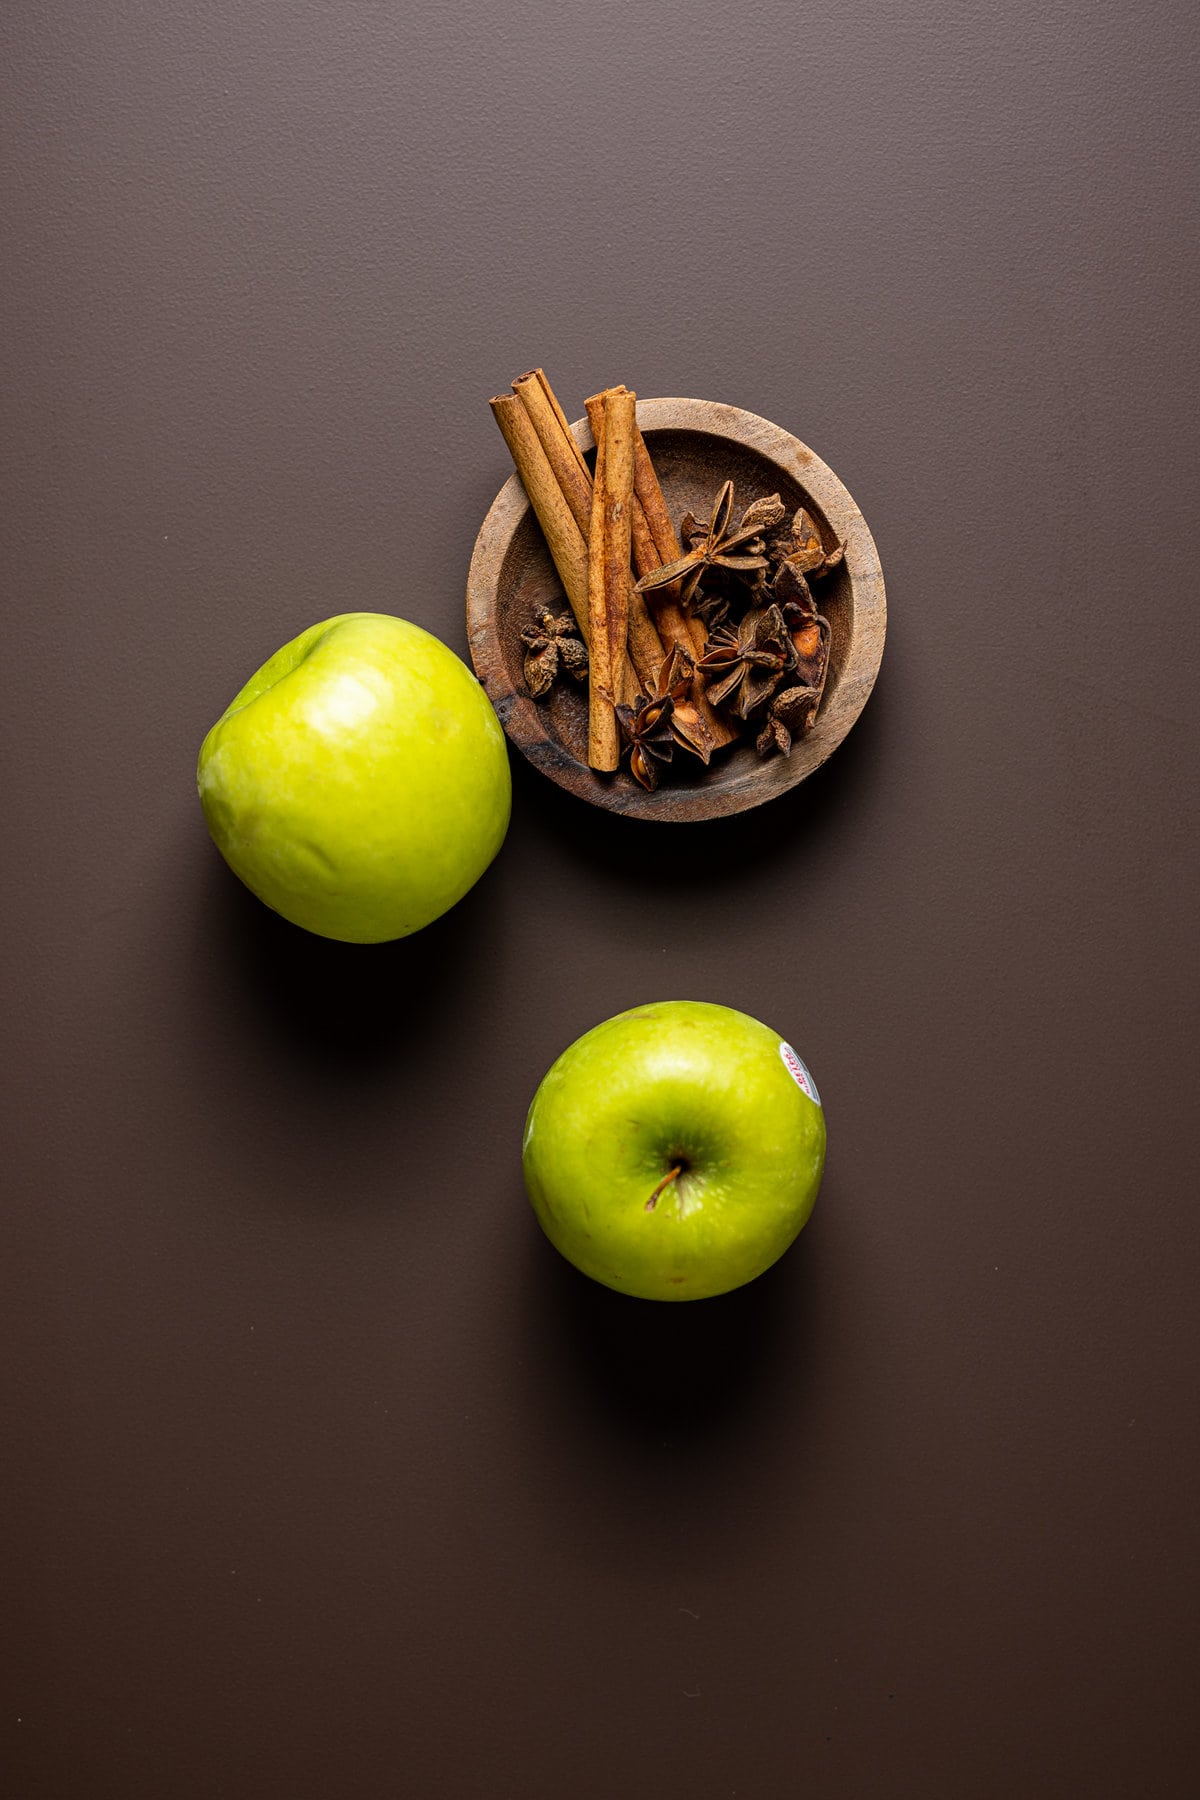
(697, 444)
(323, 1476)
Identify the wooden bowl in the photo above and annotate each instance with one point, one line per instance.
(695, 446)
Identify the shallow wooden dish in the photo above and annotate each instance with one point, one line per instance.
(695, 445)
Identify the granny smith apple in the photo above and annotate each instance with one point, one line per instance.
(359, 783)
(675, 1151)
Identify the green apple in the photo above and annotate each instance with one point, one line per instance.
(359, 783)
(675, 1151)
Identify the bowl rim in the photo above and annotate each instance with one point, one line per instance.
(524, 722)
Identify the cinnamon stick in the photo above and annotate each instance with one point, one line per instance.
(608, 569)
(620, 423)
(667, 547)
(563, 535)
(653, 535)
(646, 648)
(558, 441)
(654, 544)
(604, 737)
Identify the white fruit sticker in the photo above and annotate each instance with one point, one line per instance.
(799, 1073)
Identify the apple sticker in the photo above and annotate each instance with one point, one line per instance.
(799, 1073)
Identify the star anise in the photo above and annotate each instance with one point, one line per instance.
(810, 635)
(720, 545)
(799, 545)
(552, 643)
(712, 609)
(676, 680)
(790, 589)
(646, 729)
(746, 665)
(665, 718)
(789, 716)
(807, 628)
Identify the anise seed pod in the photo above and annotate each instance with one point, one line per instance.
(762, 514)
(810, 640)
(789, 589)
(808, 553)
(643, 768)
(689, 727)
(646, 729)
(773, 736)
(789, 716)
(573, 657)
(541, 666)
(550, 644)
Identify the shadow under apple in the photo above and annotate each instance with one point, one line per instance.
(346, 1012)
(684, 1377)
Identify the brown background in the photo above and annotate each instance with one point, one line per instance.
(324, 1476)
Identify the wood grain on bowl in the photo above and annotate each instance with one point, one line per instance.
(695, 446)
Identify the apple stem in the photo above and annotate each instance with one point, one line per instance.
(670, 1176)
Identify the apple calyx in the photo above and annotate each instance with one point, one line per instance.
(670, 1176)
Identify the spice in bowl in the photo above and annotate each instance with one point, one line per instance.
(690, 639)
